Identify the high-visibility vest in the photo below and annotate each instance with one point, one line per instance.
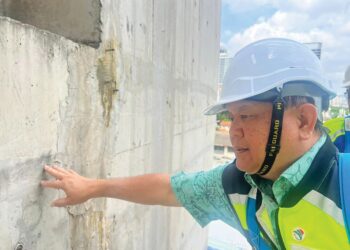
(310, 216)
(339, 132)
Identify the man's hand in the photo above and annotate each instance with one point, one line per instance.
(150, 189)
(78, 189)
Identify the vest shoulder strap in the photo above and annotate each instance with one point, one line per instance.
(344, 183)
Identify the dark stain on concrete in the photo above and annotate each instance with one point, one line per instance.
(106, 75)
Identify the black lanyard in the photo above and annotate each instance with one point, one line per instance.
(273, 143)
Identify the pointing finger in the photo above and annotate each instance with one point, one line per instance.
(60, 169)
(54, 172)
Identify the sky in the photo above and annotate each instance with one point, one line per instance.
(325, 21)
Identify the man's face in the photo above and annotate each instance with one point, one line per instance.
(250, 128)
(249, 132)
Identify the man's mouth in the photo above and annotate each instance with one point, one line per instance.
(240, 150)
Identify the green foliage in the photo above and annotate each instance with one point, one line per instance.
(334, 112)
(337, 112)
(223, 116)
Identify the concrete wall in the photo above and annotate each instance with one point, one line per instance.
(78, 20)
(132, 106)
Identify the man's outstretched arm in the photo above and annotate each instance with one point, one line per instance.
(150, 189)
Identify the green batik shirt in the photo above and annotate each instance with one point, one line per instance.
(203, 196)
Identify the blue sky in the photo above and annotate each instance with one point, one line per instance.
(324, 21)
(232, 22)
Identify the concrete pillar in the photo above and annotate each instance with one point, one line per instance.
(131, 105)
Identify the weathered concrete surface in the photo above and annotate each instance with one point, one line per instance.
(133, 106)
(78, 20)
(36, 84)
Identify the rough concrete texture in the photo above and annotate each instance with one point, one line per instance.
(133, 106)
(78, 20)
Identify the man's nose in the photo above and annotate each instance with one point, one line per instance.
(236, 129)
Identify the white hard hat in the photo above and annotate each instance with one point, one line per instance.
(274, 64)
(346, 82)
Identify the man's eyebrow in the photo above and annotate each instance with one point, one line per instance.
(244, 107)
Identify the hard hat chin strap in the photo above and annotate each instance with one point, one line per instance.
(273, 143)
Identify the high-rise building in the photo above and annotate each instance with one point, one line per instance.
(224, 62)
(316, 47)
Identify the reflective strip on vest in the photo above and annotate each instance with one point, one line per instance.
(252, 193)
(244, 206)
(238, 198)
(336, 134)
(324, 221)
(335, 127)
(327, 205)
(238, 202)
(265, 222)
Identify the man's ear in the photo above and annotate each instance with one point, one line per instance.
(307, 114)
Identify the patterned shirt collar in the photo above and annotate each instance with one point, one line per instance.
(290, 177)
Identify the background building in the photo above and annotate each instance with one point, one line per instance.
(316, 47)
(224, 62)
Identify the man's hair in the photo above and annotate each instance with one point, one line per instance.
(295, 101)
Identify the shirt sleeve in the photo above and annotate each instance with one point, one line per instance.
(203, 196)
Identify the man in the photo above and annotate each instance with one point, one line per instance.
(282, 189)
(339, 128)
(346, 84)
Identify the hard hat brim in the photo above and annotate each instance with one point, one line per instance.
(268, 95)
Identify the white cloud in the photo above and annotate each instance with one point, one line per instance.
(345, 29)
(327, 22)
